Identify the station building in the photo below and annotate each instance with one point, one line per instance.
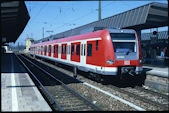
(29, 41)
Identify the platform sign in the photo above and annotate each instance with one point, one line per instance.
(127, 62)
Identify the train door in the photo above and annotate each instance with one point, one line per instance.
(83, 53)
(64, 51)
(56, 51)
(45, 50)
(49, 50)
(41, 50)
(75, 52)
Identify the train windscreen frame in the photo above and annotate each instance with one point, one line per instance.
(124, 42)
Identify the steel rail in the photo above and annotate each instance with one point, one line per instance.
(40, 84)
(140, 98)
(152, 92)
(67, 87)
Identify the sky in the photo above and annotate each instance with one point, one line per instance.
(59, 16)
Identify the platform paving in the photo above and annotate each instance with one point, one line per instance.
(18, 92)
(157, 71)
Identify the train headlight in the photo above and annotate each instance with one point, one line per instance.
(110, 61)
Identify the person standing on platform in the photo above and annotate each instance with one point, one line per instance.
(162, 53)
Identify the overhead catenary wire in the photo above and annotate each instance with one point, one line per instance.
(84, 16)
(33, 18)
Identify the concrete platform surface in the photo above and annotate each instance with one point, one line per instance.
(157, 71)
(18, 92)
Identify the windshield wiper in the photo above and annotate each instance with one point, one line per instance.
(127, 52)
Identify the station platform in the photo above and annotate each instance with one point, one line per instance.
(157, 71)
(18, 92)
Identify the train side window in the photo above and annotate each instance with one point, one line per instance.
(65, 49)
(84, 49)
(72, 50)
(54, 49)
(77, 49)
(96, 45)
(89, 50)
(62, 49)
(57, 49)
(51, 48)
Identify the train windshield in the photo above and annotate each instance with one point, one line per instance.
(124, 42)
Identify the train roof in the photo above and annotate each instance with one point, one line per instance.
(94, 34)
(73, 38)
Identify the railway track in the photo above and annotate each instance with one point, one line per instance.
(144, 95)
(60, 96)
(150, 97)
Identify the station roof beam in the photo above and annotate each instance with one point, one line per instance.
(14, 17)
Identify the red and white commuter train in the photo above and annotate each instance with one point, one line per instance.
(106, 52)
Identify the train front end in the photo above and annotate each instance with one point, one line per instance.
(124, 53)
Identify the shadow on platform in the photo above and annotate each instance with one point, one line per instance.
(10, 64)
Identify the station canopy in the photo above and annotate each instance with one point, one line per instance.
(14, 17)
(148, 16)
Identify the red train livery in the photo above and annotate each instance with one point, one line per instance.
(106, 52)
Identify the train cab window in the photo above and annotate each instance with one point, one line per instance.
(72, 50)
(89, 50)
(96, 45)
(65, 49)
(77, 49)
